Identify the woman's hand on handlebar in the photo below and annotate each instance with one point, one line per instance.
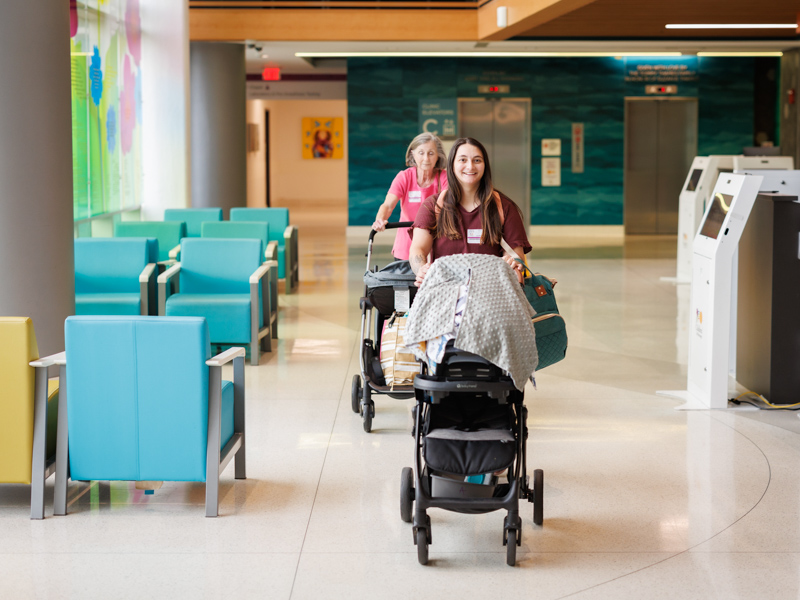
(379, 225)
(423, 270)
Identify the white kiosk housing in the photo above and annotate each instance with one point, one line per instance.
(692, 204)
(741, 163)
(713, 291)
(776, 181)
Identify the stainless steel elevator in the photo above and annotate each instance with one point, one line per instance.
(503, 126)
(660, 144)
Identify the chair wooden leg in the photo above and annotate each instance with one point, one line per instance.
(62, 446)
(213, 441)
(38, 466)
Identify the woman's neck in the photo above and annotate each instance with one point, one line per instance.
(469, 197)
(424, 176)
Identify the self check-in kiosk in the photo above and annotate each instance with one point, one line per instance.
(712, 294)
(776, 181)
(741, 163)
(691, 205)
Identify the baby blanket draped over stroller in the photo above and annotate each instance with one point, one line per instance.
(496, 321)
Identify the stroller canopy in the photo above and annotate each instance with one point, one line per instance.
(397, 273)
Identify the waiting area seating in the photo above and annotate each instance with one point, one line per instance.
(193, 217)
(145, 401)
(168, 233)
(283, 233)
(227, 282)
(28, 412)
(115, 276)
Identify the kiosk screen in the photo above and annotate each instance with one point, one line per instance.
(720, 206)
(691, 186)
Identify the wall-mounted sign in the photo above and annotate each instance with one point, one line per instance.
(551, 147)
(577, 147)
(323, 137)
(297, 90)
(439, 116)
(551, 172)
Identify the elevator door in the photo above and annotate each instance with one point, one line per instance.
(503, 126)
(660, 144)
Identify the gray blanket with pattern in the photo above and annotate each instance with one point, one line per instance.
(497, 319)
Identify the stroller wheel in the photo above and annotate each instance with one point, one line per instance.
(511, 547)
(422, 546)
(406, 494)
(538, 497)
(355, 393)
(367, 412)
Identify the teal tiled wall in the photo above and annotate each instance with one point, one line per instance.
(383, 97)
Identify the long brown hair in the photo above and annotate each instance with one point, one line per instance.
(448, 219)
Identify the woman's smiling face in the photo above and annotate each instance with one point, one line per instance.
(469, 165)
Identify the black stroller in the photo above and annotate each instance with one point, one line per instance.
(470, 433)
(392, 288)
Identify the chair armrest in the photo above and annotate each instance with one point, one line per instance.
(53, 359)
(271, 253)
(289, 232)
(259, 273)
(163, 287)
(169, 273)
(147, 273)
(225, 357)
(173, 254)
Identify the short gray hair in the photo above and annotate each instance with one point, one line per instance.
(424, 138)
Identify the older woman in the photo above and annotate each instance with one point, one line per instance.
(468, 217)
(424, 177)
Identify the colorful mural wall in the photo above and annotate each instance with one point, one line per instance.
(106, 56)
(383, 97)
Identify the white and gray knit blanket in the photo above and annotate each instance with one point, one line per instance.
(497, 319)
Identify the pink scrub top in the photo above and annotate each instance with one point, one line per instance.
(411, 197)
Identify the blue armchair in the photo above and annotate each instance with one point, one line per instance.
(281, 232)
(227, 282)
(128, 419)
(168, 233)
(193, 217)
(115, 276)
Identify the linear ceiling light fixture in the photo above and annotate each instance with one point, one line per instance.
(748, 54)
(732, 26)
(481, 54)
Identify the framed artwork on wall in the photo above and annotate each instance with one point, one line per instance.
(323, 137)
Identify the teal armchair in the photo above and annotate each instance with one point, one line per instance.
(115, 276)
(168, 233)
(193, 217)
(227, 282)
(282, 232)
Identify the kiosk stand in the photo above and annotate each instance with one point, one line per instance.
(692, 204)
(712, 293)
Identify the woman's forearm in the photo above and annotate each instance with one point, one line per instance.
(417, 259)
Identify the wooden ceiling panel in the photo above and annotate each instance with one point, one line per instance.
(647, 18)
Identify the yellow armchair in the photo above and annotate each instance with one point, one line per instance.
(27, 435)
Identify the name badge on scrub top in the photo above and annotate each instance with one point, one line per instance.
(415, 196)
(474, 236)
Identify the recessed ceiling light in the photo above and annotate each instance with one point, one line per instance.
(265, 56)
(740, 54)
(732, 26)
(481, 54)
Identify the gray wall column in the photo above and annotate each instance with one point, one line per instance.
(218, 99)
(36, 230)
(790, 124)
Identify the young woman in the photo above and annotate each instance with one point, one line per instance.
(466, 217)
(424, 177)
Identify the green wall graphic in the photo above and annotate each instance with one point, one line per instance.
(106, 106)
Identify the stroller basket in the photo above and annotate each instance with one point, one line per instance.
(381, 285)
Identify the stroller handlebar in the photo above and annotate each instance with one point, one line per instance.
(396, 225)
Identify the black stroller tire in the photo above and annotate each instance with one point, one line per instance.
(367, 412)
(355, 393)
(538, 497)
(511, 547)
(422, 546)
(406, 494)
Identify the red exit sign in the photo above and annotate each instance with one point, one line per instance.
(271, 74)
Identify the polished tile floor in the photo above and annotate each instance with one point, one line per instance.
(641, 501)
